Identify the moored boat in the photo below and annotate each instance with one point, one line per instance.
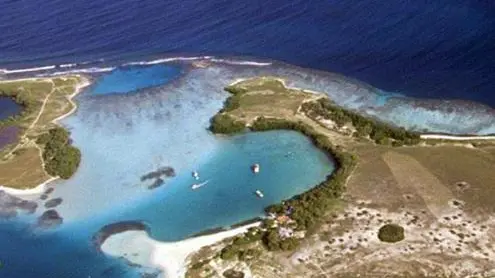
(255, 168)
(259, 193)
(195, 175)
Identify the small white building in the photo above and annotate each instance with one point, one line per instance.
(284, 232)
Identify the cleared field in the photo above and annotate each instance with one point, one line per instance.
(410, 174)
(268, 97)
(24, 170)
(452, 165)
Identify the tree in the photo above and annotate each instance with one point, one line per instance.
(391, 233)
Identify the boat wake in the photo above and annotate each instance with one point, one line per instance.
(198, 185)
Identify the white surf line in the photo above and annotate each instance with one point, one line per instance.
(170, 257)
(7, 71)
(456, 137)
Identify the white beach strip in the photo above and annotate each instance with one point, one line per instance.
(170, 257)
(454, 137)
(39, 189)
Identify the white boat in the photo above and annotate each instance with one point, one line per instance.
(195, 175)
(198, 185)
(259, 193)
(256, 168)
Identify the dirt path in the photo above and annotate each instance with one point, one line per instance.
(23, 141)
(42, 109)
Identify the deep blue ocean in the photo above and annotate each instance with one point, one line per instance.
(433, 49)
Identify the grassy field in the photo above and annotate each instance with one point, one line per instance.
(48, 99)
(24, 170)
(268, 97)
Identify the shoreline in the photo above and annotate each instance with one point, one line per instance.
(77, 90)
(456, 137)
(170, 257)
(40, 188)
(423, 136)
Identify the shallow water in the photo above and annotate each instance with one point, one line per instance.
(133, 78)
(125, 136)
(8, 108)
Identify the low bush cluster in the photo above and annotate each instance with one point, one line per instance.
(60, 157)
(380, 132)
(391, 233)
(225, 124)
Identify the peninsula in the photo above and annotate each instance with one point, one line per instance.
(38, 150)
(393, 192)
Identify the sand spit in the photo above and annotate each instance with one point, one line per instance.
(170, 257)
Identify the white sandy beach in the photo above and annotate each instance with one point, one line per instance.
(39, 189)
(456, 138)
(170, 257)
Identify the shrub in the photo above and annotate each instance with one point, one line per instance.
(231, 273)
(60, 158)
(378, 131)
(225, 124)
(391, 233)
(229, 252)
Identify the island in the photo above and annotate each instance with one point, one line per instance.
(393, 192)
(35, 149)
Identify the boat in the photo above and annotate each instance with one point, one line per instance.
(198, 185)
(259, 193)
(255, 168)
(195, 175)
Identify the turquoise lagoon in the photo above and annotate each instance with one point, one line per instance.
(163, 122)
(124, 136)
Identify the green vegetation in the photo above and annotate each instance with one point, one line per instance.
(234, 101)
(231, 273)
(225, 124)
(273, 242)
(200, 264)
(391, 233)
(242, 247)
(380, 132)
(61, 159)
(239, 248)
